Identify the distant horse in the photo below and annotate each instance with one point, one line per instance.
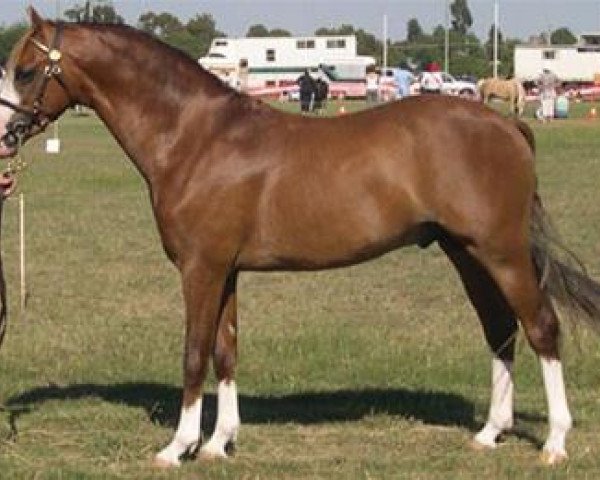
(238, 186)
(511, 91)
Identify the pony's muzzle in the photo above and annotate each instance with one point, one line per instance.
(16, 130)
(7, 151)
(10, 140)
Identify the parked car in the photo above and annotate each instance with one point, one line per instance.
(462, 88)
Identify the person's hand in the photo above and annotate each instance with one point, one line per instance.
(7, 184)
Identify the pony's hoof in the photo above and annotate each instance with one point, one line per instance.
(478, 446)
(163, 463)
(209, 455)
(553, 458)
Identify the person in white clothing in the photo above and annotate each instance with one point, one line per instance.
(372, 86)
(431, 79)
(547, 83)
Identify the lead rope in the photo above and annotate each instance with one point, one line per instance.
(16, 164)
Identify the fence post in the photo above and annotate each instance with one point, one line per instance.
(22, 249)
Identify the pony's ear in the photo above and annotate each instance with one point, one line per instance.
(34, 17)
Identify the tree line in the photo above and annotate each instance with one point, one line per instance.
(467, 53)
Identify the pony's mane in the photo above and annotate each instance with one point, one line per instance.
(171, 54)
(161, 57)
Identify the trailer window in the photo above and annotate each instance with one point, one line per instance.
(591, 39)
(336, 43)
(301, 44)
(549, 54)
(270, 55)
(220, 43)
(588, 49)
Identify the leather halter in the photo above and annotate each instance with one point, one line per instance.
(26, 118)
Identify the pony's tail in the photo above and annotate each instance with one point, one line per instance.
(561, 274)
(526, 132)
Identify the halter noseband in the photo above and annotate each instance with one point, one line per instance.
(26, 118)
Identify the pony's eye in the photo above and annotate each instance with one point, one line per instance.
(24, 74)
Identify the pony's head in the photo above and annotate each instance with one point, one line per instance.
(32, 92)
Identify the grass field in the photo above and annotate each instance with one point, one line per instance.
(373, 372)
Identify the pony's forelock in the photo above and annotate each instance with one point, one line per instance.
(16, 52)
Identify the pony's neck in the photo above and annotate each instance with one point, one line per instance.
(143, 91)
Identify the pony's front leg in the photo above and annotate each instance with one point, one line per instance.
(225, 360)
(202, 291)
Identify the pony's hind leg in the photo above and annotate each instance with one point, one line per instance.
(225, 360)
(499, 327)
(515, 276)
(543, 338)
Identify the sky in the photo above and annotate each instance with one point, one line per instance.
(518, 18)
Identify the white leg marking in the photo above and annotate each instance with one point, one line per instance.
(228, 420)
(501, 406)
(186, 437)
(558, 411)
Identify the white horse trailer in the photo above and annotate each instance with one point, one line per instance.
(572, 64)
(279, 61)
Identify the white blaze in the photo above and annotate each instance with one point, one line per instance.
(9, 93)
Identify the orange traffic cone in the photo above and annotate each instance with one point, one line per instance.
(592, 114)
(342, 110)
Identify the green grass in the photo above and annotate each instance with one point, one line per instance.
(378, 371)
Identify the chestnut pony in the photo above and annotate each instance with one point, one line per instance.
(510, 90)
(237, 186)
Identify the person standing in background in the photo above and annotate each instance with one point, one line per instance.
(404, 78)
(321, 94)
(547, 83)
(372, 85)
(431, 79)
(307, 91)
(243, 75)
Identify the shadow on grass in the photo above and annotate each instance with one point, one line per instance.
(162, 403)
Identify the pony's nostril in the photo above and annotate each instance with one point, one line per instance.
(20, 127)
(10, 140)
(16, 129)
